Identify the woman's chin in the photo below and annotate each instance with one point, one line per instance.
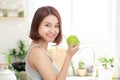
(51, 41)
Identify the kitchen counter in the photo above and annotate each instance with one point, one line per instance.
(80, 78)
(84, 78)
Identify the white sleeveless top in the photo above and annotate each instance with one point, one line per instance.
(32, 74)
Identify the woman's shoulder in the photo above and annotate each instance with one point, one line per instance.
(36, 49)
(36, 54)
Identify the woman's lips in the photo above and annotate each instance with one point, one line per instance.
(51, 36)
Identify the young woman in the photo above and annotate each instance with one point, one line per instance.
(46, 27)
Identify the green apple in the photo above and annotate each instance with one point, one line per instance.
(74, 39)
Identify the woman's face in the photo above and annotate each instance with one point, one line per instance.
(49, 28)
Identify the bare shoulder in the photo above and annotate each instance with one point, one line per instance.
(38, 59)
(36, 52)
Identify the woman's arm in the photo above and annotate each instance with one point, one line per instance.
(41, 63)
(64, 70)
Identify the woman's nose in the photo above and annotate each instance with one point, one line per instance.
(52, 30)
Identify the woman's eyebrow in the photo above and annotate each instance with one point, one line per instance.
(51, 23)
(48, 22)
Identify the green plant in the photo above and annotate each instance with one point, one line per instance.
(73, 68)
(19, 52)
(81, 64)
(106, 62)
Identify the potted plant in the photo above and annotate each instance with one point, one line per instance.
(106, 62)
(106, 65)
(19, 54)
(81, 68)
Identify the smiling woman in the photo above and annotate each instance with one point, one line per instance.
(46, 27)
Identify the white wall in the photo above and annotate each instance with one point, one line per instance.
(13, 29)
(117, 30)
(116, 42)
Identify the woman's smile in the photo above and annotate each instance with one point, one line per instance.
(51, 36)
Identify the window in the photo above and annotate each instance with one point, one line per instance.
(91, 22)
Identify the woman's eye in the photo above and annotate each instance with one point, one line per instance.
(47, 25)
(57, 26)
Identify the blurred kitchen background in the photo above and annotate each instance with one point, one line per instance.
(95, 22)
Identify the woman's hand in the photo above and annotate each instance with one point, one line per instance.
(72, 49)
